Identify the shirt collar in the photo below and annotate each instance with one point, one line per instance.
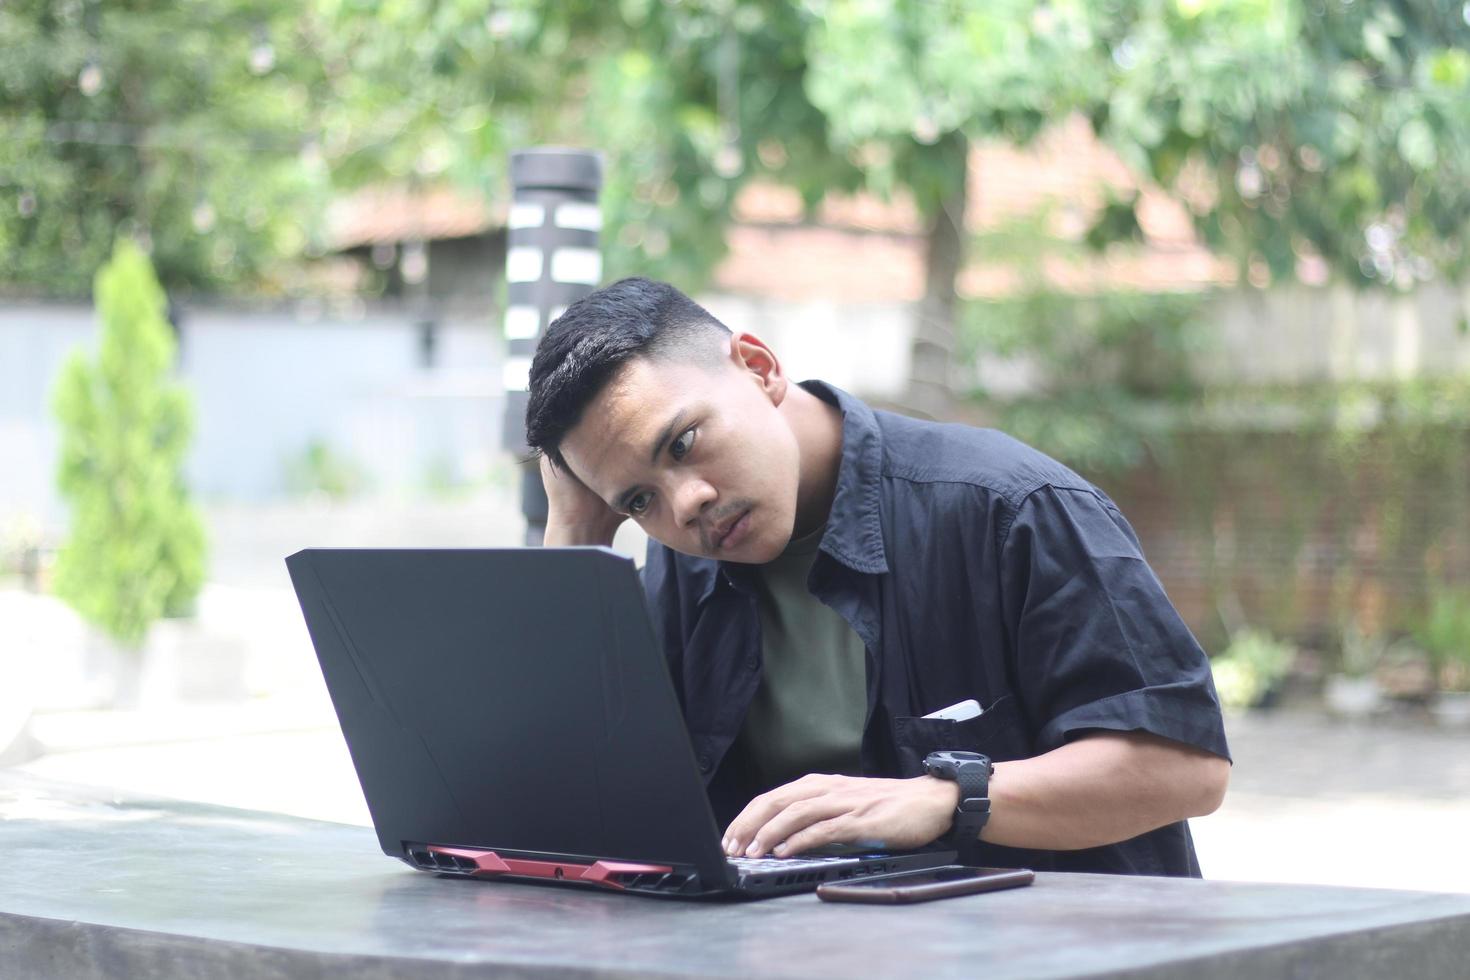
(854, 528)
(854, 534)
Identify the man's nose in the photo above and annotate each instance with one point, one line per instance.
(690, 499)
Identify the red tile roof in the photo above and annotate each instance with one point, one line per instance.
(863, 249)
(388, 213)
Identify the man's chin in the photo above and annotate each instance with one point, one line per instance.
(749, 552)
(744, 555)
(752, 552)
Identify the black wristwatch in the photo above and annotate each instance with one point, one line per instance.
(971, 771)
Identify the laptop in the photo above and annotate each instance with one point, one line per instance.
(510, 716)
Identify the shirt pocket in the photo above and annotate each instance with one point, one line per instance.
(997, 733)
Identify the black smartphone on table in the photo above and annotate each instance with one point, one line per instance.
(924, 885)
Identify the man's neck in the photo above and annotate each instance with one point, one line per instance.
(818, 429)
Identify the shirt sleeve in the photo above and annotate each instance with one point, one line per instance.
(1098, 645)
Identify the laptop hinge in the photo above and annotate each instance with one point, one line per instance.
(488, 864)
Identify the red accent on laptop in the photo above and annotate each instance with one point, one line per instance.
(489, 864)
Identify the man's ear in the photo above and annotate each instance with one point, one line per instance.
(752, 356)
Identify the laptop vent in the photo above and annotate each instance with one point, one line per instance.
(447, 863)
(821, 875)
(674, 881)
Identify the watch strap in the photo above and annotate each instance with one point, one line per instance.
(973, 811)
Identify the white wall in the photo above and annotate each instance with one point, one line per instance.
(1289, 334)
(1339, 334)
(861, 349)
(265, 385)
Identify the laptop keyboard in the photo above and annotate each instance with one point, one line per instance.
(747, 865)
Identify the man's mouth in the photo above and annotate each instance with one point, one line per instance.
(730, 534)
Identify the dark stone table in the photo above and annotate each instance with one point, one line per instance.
(96, 885)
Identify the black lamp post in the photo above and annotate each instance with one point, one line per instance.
(552, 260)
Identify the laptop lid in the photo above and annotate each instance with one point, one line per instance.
(508, 699)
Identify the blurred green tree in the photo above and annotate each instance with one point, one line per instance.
(185, 126)
(688, 101)
(1326, 130)
(636, 81)
(136, 547)
(1293, 131)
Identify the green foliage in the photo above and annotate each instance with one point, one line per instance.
(1108, 387)
(1339, 130)
(1113, 371)
(1445, 635)
(664, 201)
(1360, 652)
(1254, 664)
(1110, 372)
(136, 546)
(1335, 130)
(21, 538)
(183, 125)
(1369, 485)
(322, 470)
(686, 102)
(893, 79)
(422, 92)
(1331, 130)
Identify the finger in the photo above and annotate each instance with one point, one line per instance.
(833, 830)
(795, 818)
(760, 810)
(757, 813)
(744, 826)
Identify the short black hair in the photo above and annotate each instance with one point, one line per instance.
(585, 346)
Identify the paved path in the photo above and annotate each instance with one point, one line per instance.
(1312, 800)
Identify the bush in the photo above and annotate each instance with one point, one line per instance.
(136, 546)
(321, 470)
(1445, 636)
(1254, 664)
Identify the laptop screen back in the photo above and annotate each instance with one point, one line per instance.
(509, 699)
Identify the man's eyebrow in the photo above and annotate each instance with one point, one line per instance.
(664, 436)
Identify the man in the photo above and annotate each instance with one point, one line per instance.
(823, 575)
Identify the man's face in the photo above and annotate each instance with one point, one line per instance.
(701, 456)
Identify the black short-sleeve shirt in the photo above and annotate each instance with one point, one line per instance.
(972, 567)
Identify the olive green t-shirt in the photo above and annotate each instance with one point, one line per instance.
(808, 714)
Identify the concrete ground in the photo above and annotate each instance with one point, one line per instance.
(1313, 801)
(1383, 803)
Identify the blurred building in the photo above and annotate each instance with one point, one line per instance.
(442, 247)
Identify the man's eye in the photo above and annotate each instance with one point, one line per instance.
(639, 504)
(680, 447)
